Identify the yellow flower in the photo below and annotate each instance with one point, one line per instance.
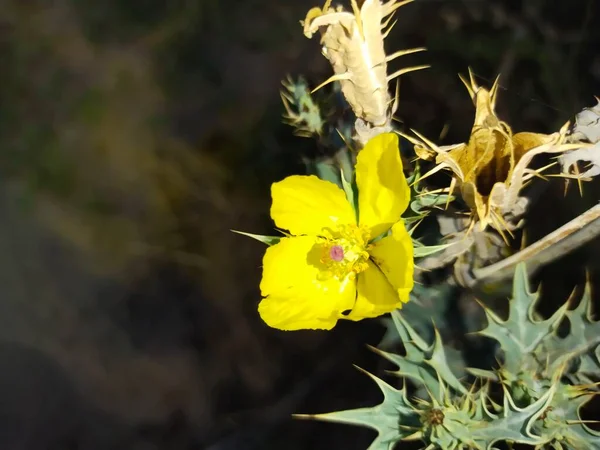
(330, 268)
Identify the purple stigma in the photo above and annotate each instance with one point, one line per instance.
(336, 253)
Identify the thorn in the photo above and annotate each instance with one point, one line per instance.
(287, 107)
(415, 227)
(435, 191)
(387, 22)
(426, 141)
(433, 171)
(396, 98)
(579, 184)
(406, 70)
(357, 16)
(375, 349)
(471, 226)
(404, 52)
(287, 96)
(343, 138)
(304, 416)
(524, 239)
(444, 131)
(336, 77)
(392, 6)
(468, 86)
(502, 235)
(387, 32)
(422, 269)
(575, 422)
(411, 139)
(494, 92)
(472, 79)
(452, 186)
(360, 369)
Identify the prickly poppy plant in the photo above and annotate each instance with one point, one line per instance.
(361, 228)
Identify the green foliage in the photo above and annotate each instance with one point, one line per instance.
(533, 397)
(423, 200)
(302, 112)
(312, 117)
(269, 240)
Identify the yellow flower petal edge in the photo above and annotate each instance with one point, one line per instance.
(375, 295)
(394, 255)
(297, 294)
(383, 192)
(306, 204)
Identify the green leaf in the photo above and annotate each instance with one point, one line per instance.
(430, 201)
(426, 250)
(482, 373)
(423, 363)
(325, 170)
(541, 401)
(394, 419)
(582, 340)
(520, 334)
(269, 240)
(349, 190)
(562, 422)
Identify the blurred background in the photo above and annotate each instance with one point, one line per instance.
(136, 134)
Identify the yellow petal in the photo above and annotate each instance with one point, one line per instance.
(375, 297)
(297, 296)
(394, 256)
(292, 314)
(305, 205)
(383, 192)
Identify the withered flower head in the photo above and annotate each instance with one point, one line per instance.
(353, 44)
(492, 166)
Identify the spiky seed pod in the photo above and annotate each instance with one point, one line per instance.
(353, 44)
(492, 166)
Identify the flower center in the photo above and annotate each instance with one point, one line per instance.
(345, 250)
(336, 252)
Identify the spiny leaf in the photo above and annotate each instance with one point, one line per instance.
(301, 111)
(521, 333)
(561, 422)
(429, 201)
(425, 364)
(349, 190)
(394, 418)
(515, 423)
(269, 240)
(582, 340)
(427, 305)
(421, 251)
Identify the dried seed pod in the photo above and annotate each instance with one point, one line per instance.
(353, 44)
(492, 166)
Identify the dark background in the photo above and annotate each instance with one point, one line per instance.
(136, 134)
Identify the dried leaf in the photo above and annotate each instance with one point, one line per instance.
(586, 129)
(589, 154)
(587, 124)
